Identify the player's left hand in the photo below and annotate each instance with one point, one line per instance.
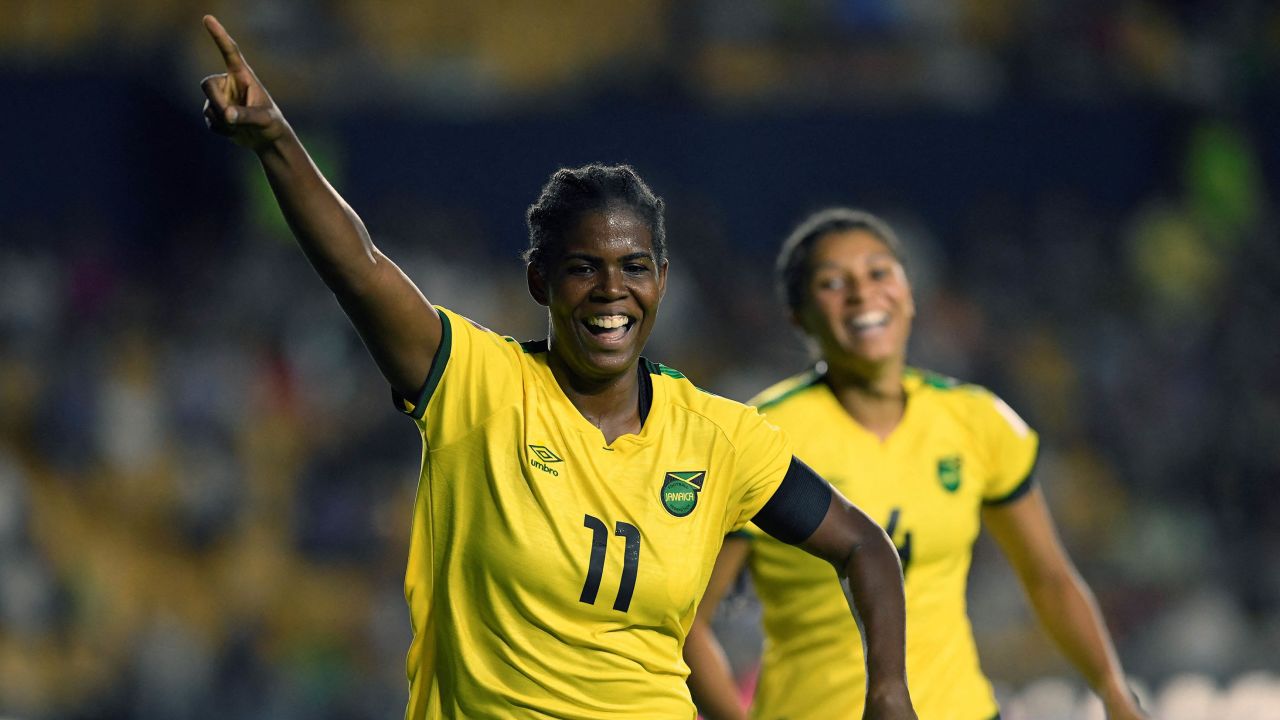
(1121, 704)
(1124, 710)
(896, 706)
(237, 104)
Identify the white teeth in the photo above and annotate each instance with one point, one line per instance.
(608, 322)
(870, 319)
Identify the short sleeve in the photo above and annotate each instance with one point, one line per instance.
(475, 371)
(416, 406)
(763, 455)
(1011, 447)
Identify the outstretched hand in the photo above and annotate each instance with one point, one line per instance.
(1124, 708)
(237, 104)
(897, 707)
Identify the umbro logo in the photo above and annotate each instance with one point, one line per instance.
(540, 456)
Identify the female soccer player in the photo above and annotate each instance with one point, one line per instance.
(928, 457)
(573, 495)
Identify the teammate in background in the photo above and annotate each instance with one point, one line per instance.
(927, 456)
(573, 495)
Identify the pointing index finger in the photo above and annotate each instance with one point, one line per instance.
(230, 51)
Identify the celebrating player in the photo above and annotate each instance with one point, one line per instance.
(930, 458)
(573, 494)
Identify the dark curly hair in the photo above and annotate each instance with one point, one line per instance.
(793, 260)
(571, 192)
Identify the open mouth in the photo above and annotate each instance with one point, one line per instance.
(869, 321)
(608, 327)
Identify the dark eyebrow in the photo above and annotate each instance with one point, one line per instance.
(631, 257)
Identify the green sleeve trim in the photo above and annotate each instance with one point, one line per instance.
(437, 370)
(740, 535)
(531, 347)
(657, 368)
(1023, 488)
(934, 380)
(813, 377)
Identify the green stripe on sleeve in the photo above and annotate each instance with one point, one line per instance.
(437, 370)
(805, 381)
(1023, 487)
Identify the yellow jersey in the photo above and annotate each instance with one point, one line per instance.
(956, 448)
(552, 575)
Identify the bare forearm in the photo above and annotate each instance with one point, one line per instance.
(710, 678)
(1069, 613)
(872, 579)
(1062, 601)
(329, 232)
(392, 316)
(386, 308)
(873, 585)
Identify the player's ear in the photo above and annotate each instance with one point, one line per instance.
(537, 285)
(662, 279)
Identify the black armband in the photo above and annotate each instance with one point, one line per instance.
(797, 506)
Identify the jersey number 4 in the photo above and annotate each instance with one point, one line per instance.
(904, 550)
(630, 561)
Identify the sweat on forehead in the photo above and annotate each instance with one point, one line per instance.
(610, 231)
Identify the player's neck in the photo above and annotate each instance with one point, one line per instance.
(612, 404)
(873, 396)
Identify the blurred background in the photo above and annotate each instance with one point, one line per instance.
(205, 492)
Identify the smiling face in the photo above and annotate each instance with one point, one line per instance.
(857, 303)
(602, 289)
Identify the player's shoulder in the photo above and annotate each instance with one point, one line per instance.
(972, 403)
(945, 392)
(456, 324)
(920, 381)
(792, 391)
(684, 394)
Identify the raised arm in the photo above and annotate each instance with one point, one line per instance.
(710, 678)
(1062, 601)
(395, 321)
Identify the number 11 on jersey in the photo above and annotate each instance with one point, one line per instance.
(595, 568)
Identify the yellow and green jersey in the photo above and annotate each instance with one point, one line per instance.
(552, 575)
(956, 448)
